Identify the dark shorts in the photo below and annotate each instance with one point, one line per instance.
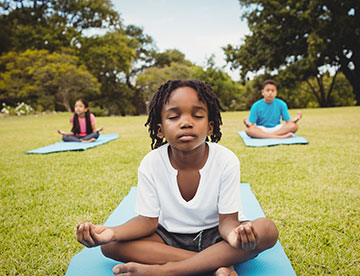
(193, 242)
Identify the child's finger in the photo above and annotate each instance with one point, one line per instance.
(251, 238)
(79, 227)
(80, 234)
(87, 237)
(255, 234)
(93, 233)
(243, 236)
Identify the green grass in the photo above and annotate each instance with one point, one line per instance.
(310, 191)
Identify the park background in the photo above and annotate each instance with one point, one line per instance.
(53, 52)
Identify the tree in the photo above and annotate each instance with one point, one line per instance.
(306, 34)
(66, 80)
(170, 64)
(229, 92)
(168, 56)
(150, 80)
(145, 50)
(109, 57)
(45, 81)
(51, 24)
(339, 92)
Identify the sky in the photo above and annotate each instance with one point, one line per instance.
(197, 28)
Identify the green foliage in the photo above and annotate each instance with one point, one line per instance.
(110, 58)
(21, 109)
(44, 80)
(303, 94)
(229, 92)
(144, 47)
(304, 34)
(170, 56)
(340, 95)
(50, 24)
(150, 80)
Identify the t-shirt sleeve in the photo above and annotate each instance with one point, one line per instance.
(253, 114)
(147, 202)
(285, 112)
(92, 119)
(72, 119)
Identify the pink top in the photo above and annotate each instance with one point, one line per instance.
(82, 123)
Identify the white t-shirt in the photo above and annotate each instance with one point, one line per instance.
(218, 191)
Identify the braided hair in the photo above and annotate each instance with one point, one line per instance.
(161, 97)
(76, 125)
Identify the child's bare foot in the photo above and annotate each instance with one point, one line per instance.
(246, 122)
(288, 135)
(226, 271)
(135, 269)
(283, 136)
(88, 141)
(100, 129)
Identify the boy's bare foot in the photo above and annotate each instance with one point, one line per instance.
(226, 271)
(88, 141)
(283, 136)
(100, 129)
(135, 269)
(287, 135)
(246, 122)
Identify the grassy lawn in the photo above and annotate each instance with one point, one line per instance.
(311, 191)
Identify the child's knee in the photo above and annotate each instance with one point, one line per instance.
(107, 250)
(294, 126)
(268, 233)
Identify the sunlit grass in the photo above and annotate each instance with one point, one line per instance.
(310, 191)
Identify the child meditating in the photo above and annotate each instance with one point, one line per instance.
(265, 114)
(83, 122)
(190, 219)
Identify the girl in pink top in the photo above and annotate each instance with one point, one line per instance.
(83, 122)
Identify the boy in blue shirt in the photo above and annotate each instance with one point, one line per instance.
(264, 119)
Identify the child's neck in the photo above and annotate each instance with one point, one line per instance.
(194, 159)
(81, 115)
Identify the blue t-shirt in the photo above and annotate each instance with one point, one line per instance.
(268, 114)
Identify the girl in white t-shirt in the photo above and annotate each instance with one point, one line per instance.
(83, 123)
(190, 220)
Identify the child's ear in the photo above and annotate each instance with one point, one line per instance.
(160, 133)
(210, 128)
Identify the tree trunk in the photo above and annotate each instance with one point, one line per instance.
(353, 76)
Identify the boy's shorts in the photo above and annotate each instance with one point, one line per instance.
(193, 242)
(270, 129)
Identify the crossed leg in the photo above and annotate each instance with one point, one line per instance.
(287, 130)
(150, 256)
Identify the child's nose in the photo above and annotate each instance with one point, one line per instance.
(186, 122)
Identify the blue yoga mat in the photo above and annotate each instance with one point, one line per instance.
(68, 146)
(264, 142)
(274, 261)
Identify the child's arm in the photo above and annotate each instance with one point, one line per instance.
(298, 117)
(93, 121)
(92, 235)
(239, 235)
(97, 129)
(64, 133)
